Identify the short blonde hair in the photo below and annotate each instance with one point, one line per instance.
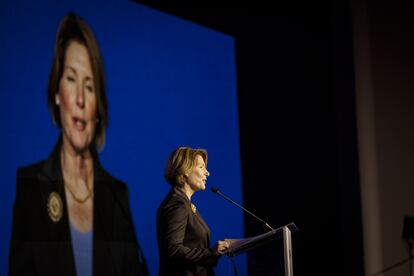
(181, 162)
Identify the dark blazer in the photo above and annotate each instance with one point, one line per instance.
(40, 246)
(183, 238)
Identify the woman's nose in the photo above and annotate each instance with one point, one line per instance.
(80, 96)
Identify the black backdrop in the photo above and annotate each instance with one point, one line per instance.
(297, 127)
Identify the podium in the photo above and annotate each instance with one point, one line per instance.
(238, 246)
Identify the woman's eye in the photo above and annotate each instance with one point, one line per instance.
(89, 88)
(70, 78)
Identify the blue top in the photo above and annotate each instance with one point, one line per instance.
(82, 249)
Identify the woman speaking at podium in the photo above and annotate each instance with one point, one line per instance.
(183, 236)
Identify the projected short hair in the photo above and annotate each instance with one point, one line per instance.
(181, 162)
(74, 28)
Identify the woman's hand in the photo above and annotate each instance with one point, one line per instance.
(220, 247)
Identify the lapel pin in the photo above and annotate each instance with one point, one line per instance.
(193, 208)
(55, 207)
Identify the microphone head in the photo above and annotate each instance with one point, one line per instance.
(214, 190)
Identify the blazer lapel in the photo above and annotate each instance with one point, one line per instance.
(103, 223)
(51, 181)
(197, 214)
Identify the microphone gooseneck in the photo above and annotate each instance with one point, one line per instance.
(216, 191)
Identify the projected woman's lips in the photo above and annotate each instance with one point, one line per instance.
(80, 124)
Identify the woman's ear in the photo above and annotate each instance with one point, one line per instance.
(181, 179)
(57, 98)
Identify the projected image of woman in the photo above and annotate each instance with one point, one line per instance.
(70, 216)
(183, 236)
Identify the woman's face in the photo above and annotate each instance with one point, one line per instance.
(77, 98)
(196, 179)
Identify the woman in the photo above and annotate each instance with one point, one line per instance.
(70, 216)
(183, 236)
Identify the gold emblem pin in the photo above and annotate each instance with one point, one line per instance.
(193, 208)
(55, 207)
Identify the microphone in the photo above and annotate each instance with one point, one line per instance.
(216, 191)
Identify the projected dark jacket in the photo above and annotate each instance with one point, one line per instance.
(183, 238)
(40, 246)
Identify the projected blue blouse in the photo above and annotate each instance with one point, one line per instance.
(82, 250)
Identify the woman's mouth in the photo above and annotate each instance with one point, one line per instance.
(80, 124)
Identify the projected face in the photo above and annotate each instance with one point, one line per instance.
(76, 99)
(196, 179)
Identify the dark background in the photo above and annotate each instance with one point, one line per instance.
(297, 127)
